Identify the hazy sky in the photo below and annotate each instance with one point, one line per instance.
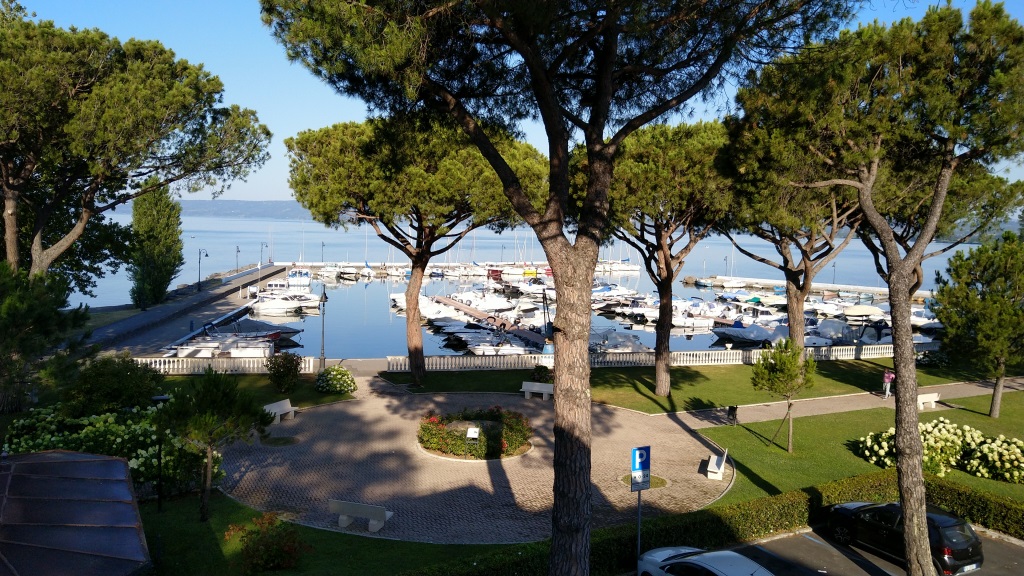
(229, 39)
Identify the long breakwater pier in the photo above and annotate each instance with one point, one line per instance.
(826, 289)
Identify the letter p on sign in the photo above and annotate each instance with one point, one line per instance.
(641, 459)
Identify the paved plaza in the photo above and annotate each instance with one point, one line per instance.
(365, 450)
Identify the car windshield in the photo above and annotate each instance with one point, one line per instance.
(959, 534)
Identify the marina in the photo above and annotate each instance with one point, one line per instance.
(359, 320)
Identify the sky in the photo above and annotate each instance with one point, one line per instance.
(230, 40)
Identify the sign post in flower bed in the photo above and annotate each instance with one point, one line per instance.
(502, 433)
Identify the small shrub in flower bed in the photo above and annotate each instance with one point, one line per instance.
(502, 432)
(335, 380)
(947, 446)
(129, 434)
(269, 544)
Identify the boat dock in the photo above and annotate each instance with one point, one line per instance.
(879, 292)
(485, 318)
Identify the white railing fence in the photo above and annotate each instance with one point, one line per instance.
(179, 366)
(311, 364)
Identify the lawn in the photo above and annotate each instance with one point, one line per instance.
(180, 545)
(304, 396)
(822, 447)
(693, 388)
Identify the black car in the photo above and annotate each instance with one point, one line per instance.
(956, 548)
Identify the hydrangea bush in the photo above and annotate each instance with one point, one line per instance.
(127, 434)
(948, 446)
(997, 458)
(335, 380)
(510, 431)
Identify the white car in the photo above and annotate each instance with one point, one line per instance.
(684, 561)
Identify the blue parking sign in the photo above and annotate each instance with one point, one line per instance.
(640, 469)
(641, 458)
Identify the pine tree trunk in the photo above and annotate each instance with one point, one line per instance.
(663, 336)
(204, 498)
(910, 476)
(571, 514)
(413, 328)
(997, 391)
(795, 298)
(10, 219)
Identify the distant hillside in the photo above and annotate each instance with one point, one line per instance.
(266, 209)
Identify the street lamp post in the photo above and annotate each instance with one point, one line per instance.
(323, 313)
(158, 401)
(202, 254)
(322, 244)
(237, 250)
(259, 266)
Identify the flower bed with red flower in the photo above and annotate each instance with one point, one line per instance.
(502, 433)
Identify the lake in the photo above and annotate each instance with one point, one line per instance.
(359, 322)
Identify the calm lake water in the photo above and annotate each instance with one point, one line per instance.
(359, 322)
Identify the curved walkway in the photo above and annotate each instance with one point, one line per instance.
(365, 450)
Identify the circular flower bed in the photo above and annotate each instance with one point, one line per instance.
(335, 380)
(502, 432)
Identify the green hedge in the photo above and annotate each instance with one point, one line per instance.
(613, 550)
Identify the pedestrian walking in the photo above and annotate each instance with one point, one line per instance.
(887, 379)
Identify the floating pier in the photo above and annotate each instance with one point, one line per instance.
(491, 319)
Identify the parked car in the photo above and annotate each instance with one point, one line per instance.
(684, 561)
(956, 548)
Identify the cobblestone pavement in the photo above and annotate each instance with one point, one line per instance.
(365, 450)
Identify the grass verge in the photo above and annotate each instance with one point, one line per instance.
(822, 447)
(693, 388)
(304, 396)
(182, 546)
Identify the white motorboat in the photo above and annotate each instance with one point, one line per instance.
(753, 334)
(287, 303)
(612, 342)
(500, 348)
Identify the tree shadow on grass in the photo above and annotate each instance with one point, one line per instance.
(641, 381)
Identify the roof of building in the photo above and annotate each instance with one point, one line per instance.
(69, 513)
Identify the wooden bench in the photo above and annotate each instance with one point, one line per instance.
(281, 409)
(542, 388)
(716, 465)
(929, 399)
(348, 511)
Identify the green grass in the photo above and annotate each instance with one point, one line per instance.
(693, 388)
(822, 449)
(303, 396)
(181, 545)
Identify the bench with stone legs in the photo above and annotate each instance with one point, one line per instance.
(930, 399)
(543, 388)
(716, 465)
(281, 409)
(348, 511)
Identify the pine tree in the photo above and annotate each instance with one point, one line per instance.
(156, 247)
